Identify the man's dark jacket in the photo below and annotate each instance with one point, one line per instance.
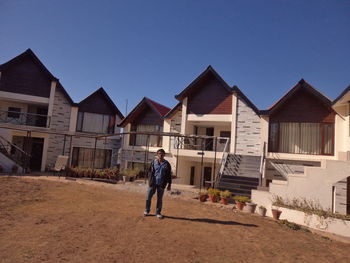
(167, 176)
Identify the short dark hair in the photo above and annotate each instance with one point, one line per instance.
(161, 150)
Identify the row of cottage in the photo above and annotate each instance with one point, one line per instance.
(300, 144)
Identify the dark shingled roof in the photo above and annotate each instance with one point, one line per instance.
(160, 109)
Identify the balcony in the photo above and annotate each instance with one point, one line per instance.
(27, 119)
(190, 146)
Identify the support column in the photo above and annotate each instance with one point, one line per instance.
(184, 116)
(234, 123)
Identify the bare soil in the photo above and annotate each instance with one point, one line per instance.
(51, 221)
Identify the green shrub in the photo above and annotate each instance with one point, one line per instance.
(213, 191)
(241, 199)
(225, 194)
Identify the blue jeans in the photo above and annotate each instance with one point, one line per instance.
(150, 192)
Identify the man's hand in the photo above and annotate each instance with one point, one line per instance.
(168, 188)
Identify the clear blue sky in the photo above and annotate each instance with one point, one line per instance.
(156, 48)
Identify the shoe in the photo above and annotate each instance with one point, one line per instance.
(159, 216)
(145, 213)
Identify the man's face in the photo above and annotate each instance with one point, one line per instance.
(160, 156)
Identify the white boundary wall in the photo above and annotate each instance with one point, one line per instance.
(329, 225)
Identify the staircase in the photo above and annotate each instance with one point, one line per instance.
(240, 175)
(11, 155)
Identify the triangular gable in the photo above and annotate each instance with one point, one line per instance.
(158, 108)
(302, 84)
(344, 97)
(194, 84)
(29, 54)
(175, 109)
(99, 102)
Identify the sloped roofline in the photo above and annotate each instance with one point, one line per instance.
(106, 97)
(183, 93)
(134, 111)
(173, 110)
(346, 90)
(42, 67)
(301, 84)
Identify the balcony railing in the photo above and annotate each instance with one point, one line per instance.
(28, 119)
(198, 144)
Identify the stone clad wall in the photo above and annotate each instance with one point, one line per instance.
(248, 134)
(59, 122)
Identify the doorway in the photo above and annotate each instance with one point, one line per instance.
(34, 146)
(36, 152)
(192, 175)
(207, 176)
(209, 142)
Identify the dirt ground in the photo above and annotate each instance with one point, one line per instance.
(51, 221)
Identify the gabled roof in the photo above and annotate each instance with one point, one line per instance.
(346, 90)
(94, 108)
(190, 88)
(30, 53)
(175, 109)
(245, 98)
(160, 109)
(302, 84)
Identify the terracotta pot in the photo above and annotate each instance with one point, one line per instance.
(250, 207)
(224, 200)
(262, 211)
(203, 198)
(239, 205)
(276, 213)
(213, 198)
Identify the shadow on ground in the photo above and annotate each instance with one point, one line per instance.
(210, 221)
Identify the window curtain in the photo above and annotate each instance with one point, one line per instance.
(141, 139)
(301, 138)
(84, 157)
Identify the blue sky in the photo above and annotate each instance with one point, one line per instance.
(156, 48)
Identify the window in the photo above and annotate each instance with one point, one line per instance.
(302, 138)
(84, 157)
(95, 123)
(14, 112)
(141, 139)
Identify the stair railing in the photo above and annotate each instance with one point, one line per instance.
(223, 162)
(262, 160)
(13, 152)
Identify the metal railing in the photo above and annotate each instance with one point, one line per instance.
(223, 163)
(198, 144)
(24, 118)
(262, 162)
(13, 152)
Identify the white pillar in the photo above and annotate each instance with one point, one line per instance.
(234, 123)
(51, 100)
(184, 116)
(73, 119)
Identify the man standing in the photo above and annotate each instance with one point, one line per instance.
(159, 177)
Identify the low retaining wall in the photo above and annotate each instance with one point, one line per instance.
(329, 225)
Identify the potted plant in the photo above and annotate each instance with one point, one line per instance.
(14, 169)
(250, 207)
(203, 195)
(240, 201)
(276, 213)
(213, 194)
(224, 196)
(262, 210)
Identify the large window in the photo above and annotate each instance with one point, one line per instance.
(141, 139)
(302, 138)
(96, 123)
(84, 157)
